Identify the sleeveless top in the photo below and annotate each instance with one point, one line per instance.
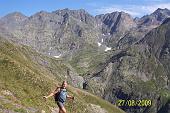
(61, 95)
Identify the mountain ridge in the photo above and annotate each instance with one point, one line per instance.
(61, 20)
(119, 57)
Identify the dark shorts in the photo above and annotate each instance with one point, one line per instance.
(60, 104)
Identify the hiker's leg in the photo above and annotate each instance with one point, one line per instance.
(63, 109)
(60, 111)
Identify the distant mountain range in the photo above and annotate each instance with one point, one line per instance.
(60, 31)
(118, 56)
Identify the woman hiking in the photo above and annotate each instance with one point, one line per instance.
(60, 95)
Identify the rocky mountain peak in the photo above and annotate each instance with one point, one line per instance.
(15, 16)
(66, 10)
(159, 10)
(116, 21)
(42, 13)
(80, 15)
(54, 33)
(156, 18)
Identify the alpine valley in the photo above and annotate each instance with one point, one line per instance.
(105, 59)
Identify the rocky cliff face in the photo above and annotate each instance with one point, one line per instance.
(155, 18)
(52, 33)
(62, 31)
(116, 22)
(139, 72)
(159, 43)
(121, 30)
(114, 26)
(136, 72)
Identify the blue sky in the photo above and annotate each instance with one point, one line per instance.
(136, 8)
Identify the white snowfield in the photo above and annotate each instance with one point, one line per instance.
(102, 40)
(58, 56)
(99, 44)
(108, 48)
(103, 34)
(108, 34)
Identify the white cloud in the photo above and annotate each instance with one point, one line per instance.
(115, 8)
(134, 10)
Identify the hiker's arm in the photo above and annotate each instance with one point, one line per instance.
(70, 97)
(52, 93)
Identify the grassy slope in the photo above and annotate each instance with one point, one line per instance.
(28, 82)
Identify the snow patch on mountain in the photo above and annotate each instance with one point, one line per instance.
(57, 56)
(108, 48)
(99, 44)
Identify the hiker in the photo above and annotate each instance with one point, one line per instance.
(60, 95)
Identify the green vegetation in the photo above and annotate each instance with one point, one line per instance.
(20, 110)
(104, 104)
(28, 79)
(88, 59)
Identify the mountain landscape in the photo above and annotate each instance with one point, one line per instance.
(26, 76)
(113, 56)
